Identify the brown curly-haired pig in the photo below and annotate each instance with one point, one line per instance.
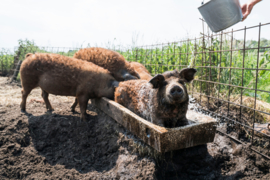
(108, 59)
(141, 70)
(163, 100)
(60, 75)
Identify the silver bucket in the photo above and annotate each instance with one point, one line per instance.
(221, 14)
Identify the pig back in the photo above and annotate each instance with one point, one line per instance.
(141, 70)
(127, 94)
(62, 75)
(108, 59)
(137, 96)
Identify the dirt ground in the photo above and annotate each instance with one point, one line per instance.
(57, 145)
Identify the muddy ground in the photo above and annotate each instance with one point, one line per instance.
(43, 145)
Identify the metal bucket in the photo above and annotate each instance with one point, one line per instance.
(221, 14)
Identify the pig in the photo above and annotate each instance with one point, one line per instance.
(141, 70)
(163, 100)
(108, 59)
(65, 76)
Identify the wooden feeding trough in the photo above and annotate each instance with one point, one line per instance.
(200, 131)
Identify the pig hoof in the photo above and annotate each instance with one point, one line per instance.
(74, 112)
(23, 111)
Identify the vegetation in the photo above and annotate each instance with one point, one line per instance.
(213, 61)
(211, 58)
(6, 61)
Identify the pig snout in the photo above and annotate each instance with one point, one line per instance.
(176, 92)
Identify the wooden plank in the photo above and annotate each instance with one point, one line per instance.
(201, 131)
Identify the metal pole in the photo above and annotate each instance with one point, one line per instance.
(255, 98)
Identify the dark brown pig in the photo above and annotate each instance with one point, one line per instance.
(141, 70)
(60, 75)
(111, 60)
(163, 100)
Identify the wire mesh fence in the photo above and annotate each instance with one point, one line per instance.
(232, 82)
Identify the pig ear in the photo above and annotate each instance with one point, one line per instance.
(157, 81)
(187, 74)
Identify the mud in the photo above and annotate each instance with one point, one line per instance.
(42, 145)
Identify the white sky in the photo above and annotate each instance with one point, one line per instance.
(74, 23)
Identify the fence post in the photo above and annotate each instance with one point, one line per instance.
(256, 85)
(2, 66)
(136, 54)
(16, 72)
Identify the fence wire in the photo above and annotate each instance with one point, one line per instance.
(231, 84)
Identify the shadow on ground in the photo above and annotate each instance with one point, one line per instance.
(65, 140)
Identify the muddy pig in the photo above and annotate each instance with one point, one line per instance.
(111, 60)
(141, 70)
(60, 75)
(163, 100)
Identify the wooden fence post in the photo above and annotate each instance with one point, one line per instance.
(16, 71)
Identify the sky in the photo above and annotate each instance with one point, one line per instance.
(58, 23)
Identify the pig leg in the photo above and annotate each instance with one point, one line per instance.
(25, 93)
(74, 105)
(83, 101)
(45, 96)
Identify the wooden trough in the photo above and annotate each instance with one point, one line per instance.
(200, 131)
